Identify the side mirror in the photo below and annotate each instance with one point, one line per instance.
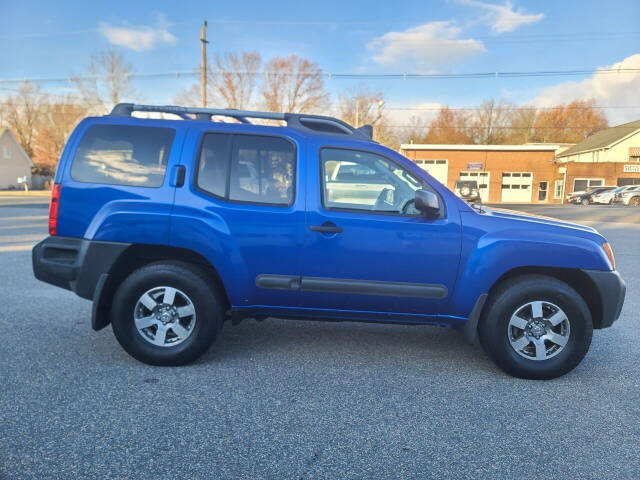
(427, 202)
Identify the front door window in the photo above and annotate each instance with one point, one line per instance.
(355, 180)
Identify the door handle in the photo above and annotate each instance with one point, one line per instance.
(326, 228)
(179, 173)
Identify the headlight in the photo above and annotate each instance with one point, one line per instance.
(607, 249)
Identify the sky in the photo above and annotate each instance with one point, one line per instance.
(44, 39)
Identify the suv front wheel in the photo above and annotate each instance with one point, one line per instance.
(536, 327)
(165, 313)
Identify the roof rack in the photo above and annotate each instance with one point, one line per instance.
(317, 124)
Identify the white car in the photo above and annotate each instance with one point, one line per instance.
(630, 196)
(608, 196)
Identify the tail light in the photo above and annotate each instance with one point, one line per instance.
(53, 209)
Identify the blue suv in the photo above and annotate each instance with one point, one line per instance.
(172, 227)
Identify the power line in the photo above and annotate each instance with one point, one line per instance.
(515, 107)
(349, 76)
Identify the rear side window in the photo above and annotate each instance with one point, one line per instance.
(213, 168)
(123, 155)
(247, 168)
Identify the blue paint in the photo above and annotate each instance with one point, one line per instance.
(465, 251)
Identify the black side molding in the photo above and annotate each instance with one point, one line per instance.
(350, 286)
(278, 282)
(370, 287)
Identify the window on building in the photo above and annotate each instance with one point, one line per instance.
(123, 155)
(584, 184)
(634, 154)
(558, 187)
(622, 182)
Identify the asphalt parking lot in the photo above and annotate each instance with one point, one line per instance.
(299, 399)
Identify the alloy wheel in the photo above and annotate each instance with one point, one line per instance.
(164, 316)
(538, 330)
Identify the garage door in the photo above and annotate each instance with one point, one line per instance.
(438, 169)
(516, 187)
(483, 182)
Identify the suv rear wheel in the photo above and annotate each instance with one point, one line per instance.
(166, 313)
(536, 327)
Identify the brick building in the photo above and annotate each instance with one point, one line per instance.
(536, 173)
(505, 173)
(609, 157)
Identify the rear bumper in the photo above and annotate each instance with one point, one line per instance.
(74, 263)
(612, 289)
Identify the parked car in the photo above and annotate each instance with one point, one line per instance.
(349, 182)
(467, 190)
(630, 196)
(172, 227)
(608, 196)
(586, 198)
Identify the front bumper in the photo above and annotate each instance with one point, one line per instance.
(612, 289)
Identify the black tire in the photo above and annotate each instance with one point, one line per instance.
(585, 201)
(493, 327)
(634, 202)
(199, 287)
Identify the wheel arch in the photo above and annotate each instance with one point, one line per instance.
(137, 256)
(574, 277)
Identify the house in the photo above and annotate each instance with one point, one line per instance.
(608, 157)
(505, 173)
(15, 164)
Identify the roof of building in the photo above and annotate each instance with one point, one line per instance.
(603, 138)
(528, 147)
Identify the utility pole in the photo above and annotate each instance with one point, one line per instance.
(203, 66)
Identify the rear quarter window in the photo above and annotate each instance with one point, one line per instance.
(123, 155)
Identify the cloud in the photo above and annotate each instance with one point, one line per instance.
(138, 38)
(608, 89)
(424, 46)
(504, 18)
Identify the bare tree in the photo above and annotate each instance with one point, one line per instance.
(415, 131)
(23, 113)
(293, 84)
(231, 82)
(107, 80)
(569, 122)
(521, 126)
(234, 81)
(361, 106)
(57, 121)
(491, 122)
(450, 127)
